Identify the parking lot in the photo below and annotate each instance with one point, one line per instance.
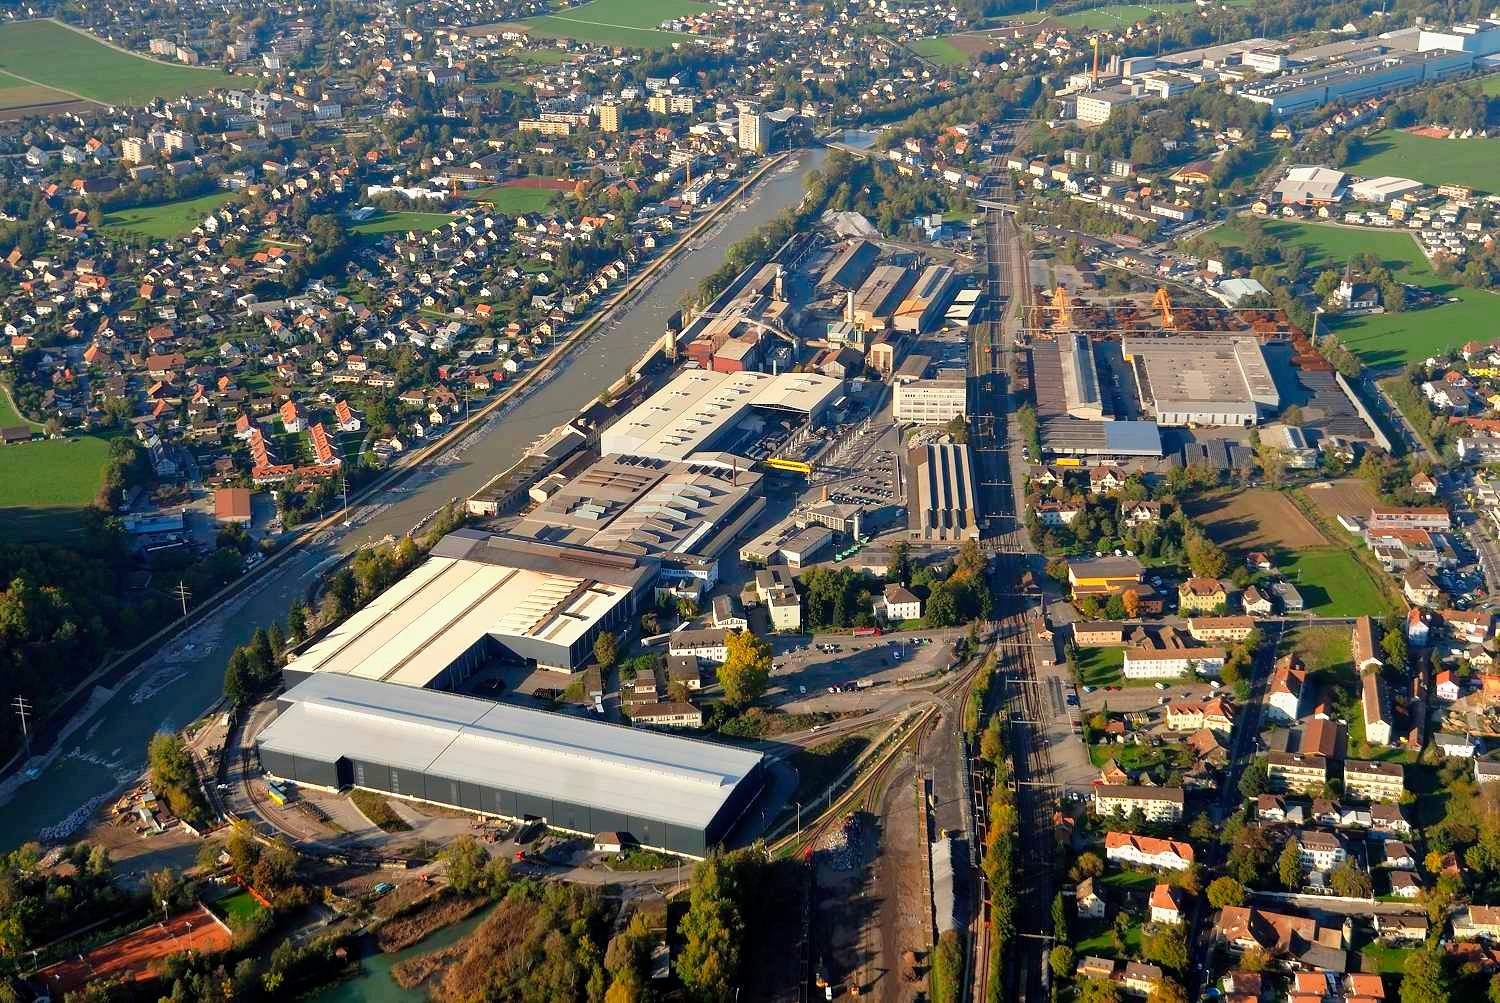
(805, 668)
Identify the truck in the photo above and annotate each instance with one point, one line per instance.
(867, 631)
(864, 684)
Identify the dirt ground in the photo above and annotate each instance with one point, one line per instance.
(843, 905)
(901, 885)
(1256, 519)
(1346, 496)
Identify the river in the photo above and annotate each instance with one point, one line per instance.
(374, 984)
(106, 751)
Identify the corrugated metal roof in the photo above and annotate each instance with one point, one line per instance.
(676, 780)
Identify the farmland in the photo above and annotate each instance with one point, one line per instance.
(1388, 339)
(940, 50)
(630, 23)
(166, 221)
(397, 222)
(44, 485)
(1471, 162)
(17, 93)
(53, 55)
(1255, 520)
(1348, 496)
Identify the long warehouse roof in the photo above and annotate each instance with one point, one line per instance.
(427, 620)
(677, 780)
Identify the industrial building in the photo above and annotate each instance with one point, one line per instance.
(1199, 381)
(877, 298)
(927, 399)
(701, 411)
(941, 494)
(924, 307)
(477, 597)
(647, 507)
(676, 794)
(1356, 79)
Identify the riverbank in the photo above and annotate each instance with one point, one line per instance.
(172, 685)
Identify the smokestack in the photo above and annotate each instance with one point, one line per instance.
(777, 288)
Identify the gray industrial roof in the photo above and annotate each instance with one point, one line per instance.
(676, 780)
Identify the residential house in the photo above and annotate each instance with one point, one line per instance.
(1167, 904)
(1201, 595)
(1148, 851)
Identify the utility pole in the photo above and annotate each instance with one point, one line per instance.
(23, 707)
(183, 593)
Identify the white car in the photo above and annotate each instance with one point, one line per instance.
(1161, 686)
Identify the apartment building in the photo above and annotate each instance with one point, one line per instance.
(1220, 628)
(1171, 663)
(1148, 851)
(1156, 804)
(1319, 850)
(1289, 771)
(1374, 781)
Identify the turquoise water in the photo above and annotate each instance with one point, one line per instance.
(374, 983)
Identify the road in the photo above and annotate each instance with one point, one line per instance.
(103, 746)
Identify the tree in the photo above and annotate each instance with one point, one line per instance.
(1130, 599)
(1255, 778)
(296, 621)
(1167, 946)
(1289, 865)
(1494, 993)
(1394, 646)
(606, 649)
(465, 860)
(710, 930)
(1351, 882)
(947, 969)
(1098, 991)
(1225, 891)
(1167, 991)
(1422, 977)
(1061, 959)
(1293, 416)
(747, 671)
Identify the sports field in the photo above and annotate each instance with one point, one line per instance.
(631, 23)
(940, 51)
(132, 958)
(44, 484)
(1471, 162)
(1388, 339)
(514, 199)
(56, 56)
(392, 222)
(167, 220)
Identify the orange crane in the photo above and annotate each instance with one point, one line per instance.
(1163, 301)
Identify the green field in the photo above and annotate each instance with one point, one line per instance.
(1333, 583)
(167, 220)
(9, 416)
(239, 906)
(1101, 666)
(515, 200)
(1490, 86)
(393, 222)
(1471, 162)
(56, 56)
(1388, 339)
(939, 50)
(631, 23)
(44, 485)
(538, 57)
